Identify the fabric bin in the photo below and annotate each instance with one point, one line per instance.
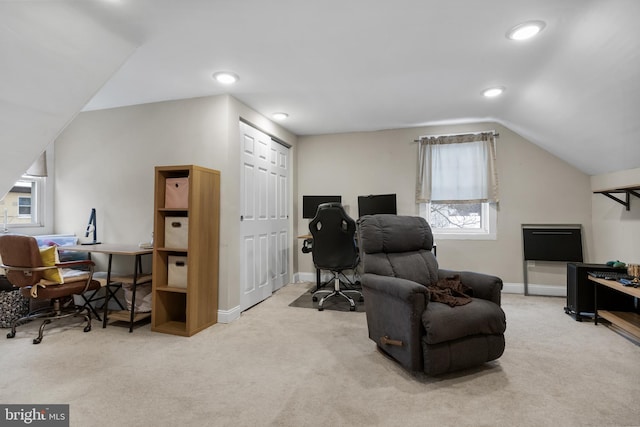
(176, 193)
(176, 232)
(177, 271)
(143, 296)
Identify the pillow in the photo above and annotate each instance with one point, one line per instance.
(50, 258)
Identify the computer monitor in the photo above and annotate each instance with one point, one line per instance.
(310, 204)
(377, 204)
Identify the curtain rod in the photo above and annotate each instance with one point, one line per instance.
(457, 134)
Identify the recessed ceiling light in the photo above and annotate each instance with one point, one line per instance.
(526, 30)
(279, 116)
(492, 92)
(225, 77)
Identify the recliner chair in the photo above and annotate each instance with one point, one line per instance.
(421, 334)
(24, 266)
(334, 249)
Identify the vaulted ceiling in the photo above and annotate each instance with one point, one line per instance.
(337, 66)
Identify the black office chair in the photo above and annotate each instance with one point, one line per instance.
(334, 249)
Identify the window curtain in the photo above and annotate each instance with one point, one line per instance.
(457, 169)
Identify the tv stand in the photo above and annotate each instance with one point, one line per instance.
(628, 321)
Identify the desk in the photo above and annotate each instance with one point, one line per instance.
(625, 320)
(135, 279)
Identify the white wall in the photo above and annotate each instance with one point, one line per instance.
(616, 231)
(535, 188)
(105, 159)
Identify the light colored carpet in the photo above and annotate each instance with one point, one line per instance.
(286, 366)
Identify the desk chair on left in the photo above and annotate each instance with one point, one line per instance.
(40, 276)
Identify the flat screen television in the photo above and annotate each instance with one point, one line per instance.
(310, 204)
(377, 204)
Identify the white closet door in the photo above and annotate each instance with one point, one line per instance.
(279, 267)
(264, 216)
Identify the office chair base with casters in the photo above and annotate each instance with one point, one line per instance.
(337, 291)
(345, 281)
(57, 310)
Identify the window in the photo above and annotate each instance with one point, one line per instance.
(27, 207)
(22, 206)
(456, 187)
(461, 220)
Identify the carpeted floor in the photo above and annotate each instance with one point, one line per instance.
(285, 366)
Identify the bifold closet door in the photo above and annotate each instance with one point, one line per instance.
(264, 226)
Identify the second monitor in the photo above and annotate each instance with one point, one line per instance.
(377, 204)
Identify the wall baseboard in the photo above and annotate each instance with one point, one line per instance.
(508, 288)
(535, 289)
(304, 277)
(228, 316)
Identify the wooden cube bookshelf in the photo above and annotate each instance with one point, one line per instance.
(177, 310)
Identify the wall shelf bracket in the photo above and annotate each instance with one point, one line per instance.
(627, 191)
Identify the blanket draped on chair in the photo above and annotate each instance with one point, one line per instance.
(450, 291)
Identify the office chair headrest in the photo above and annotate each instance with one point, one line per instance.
(330, 205)
(393, 233)
(332, 212)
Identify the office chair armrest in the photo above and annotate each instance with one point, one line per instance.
(394, 310)
(12, 268)
(484, 286)
(78, 263)
(68, 264)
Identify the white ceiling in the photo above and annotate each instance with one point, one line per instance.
(50, 68)
(360, 65)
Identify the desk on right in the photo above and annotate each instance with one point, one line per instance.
(628, 321)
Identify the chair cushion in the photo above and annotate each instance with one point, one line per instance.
(49, 259)
(479, 317)
(334, 245)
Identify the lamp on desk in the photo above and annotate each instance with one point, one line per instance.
(91, 228)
